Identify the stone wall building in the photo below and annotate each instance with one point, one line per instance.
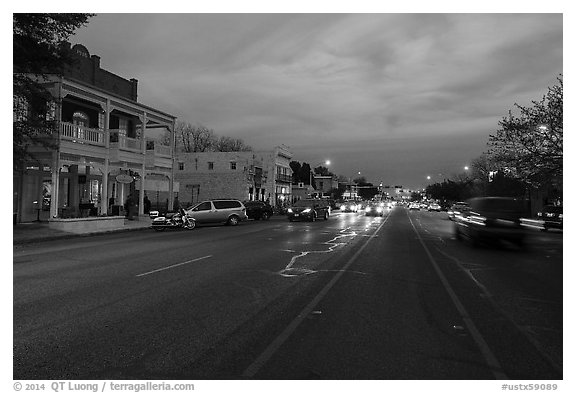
(242, 175)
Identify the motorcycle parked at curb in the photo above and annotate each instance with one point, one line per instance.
(174, 220)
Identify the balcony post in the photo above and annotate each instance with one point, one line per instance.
(173, 161)
(144, 120)
(104, 196)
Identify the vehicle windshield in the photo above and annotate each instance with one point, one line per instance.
(303, 203)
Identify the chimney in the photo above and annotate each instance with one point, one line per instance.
(95, 67)
(134, 89)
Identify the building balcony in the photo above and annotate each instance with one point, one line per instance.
(158, 154)
(80, 134)
(119, 140)
(284, 178)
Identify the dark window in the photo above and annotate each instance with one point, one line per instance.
(181, 166)
(210, 166)
(203, 206)
(226, 204)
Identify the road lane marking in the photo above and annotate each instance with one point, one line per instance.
(172, 266)
(489, 357)
(286, 333)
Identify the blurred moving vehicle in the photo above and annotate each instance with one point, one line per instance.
(258, 210)
(551, 217)
(414, 206)
(224, 211)
(349, 206)
(374, 209)
(457, 209)
(309, 210)
(434, 207)
(492, 219)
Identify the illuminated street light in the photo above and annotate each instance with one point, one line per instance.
(466, 168)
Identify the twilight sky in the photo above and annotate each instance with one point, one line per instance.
(396, 97)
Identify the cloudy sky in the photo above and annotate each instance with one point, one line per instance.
(397, 97)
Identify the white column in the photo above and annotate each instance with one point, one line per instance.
(104, 208)
(144, 120)
(171, 181)
(54, 198)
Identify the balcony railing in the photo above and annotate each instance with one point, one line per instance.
(283, 178)
(81, 134)
(119, 139)
(157, 148)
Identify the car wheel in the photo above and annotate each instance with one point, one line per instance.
(290, 220)
(265, 216)
(313, 217)
(233, 221)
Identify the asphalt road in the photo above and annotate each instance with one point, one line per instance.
(353, 297)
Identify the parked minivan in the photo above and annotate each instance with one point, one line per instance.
(223, 211)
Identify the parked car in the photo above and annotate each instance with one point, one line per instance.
(434, 207)
(374, 209)
(309, 210)
(224, 211)
(551, 217)
(349, 206)
(258, 210)
(457, 209)
(414, 206)
(492, 218)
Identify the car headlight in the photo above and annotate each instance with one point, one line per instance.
(368, 209)
(290, 210)
(379, 209)
(306, 210)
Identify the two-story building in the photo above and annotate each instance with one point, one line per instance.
(108, 147)
(324, 185)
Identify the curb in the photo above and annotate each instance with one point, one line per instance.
(72, 235)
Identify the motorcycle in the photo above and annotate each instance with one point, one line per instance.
(174, 220)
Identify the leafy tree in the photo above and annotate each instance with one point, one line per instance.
(38, 49)
(296, 166)
(322, 171)
(304, 174)
(530, 146)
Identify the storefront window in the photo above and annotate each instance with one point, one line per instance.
(46, 194)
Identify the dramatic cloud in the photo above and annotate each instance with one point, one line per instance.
(396, 96)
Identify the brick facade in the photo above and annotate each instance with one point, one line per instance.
(87, 69)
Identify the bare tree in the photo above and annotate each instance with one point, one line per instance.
(226, 143)
(194, 139)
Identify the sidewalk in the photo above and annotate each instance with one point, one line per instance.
(31, 232)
